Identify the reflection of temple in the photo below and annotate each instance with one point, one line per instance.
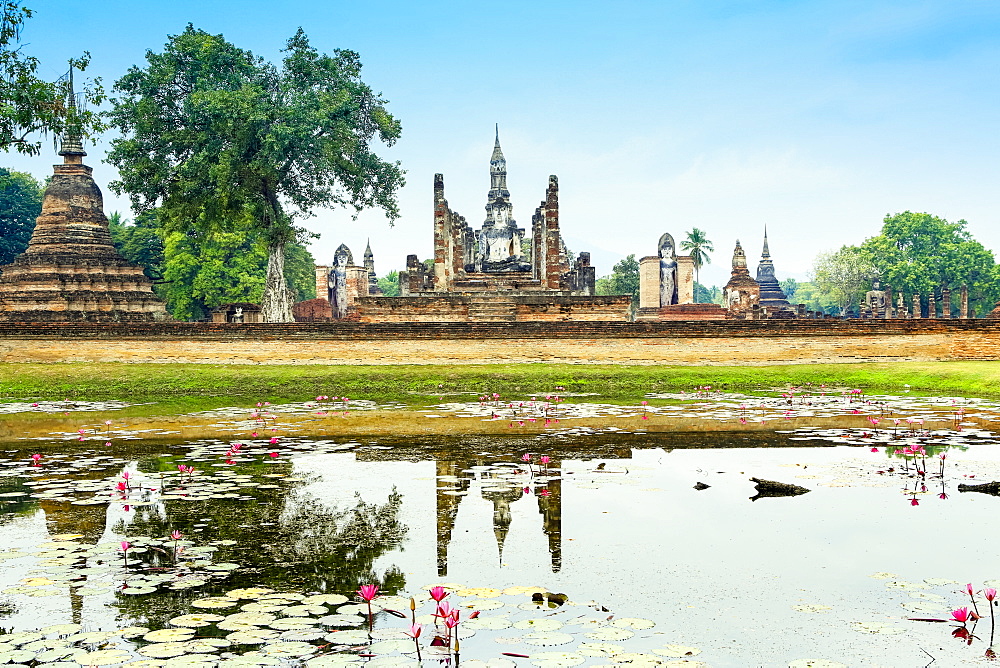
(501, 496)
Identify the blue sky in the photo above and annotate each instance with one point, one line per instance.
(814, 118)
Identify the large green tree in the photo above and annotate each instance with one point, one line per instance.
(922, 253)
(20, 204)
(29, 105)
(843, 277)
(698, 246)
(199, 270)
(224, 142)
(623, 279)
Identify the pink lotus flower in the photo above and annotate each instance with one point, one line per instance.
(125, 545)
(274, 440)
(990, 593)
(121, 487)
(544, 459)
(35, 458)
(914, 502)
(874, 449)
(526, 457)
(438, 593)
(176, 535)
(545, 492)
(443, 609)
(108, 444)
(274, 455)
(368, 592)
(414, 631)
(961, 615)
(969, 590)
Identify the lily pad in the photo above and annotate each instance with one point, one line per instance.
(347, 637)
(556, 659)
(538, 624)
(168, 635)
(545, 639)
(609, 633)
(598, 649)
(196, 620)
(876, 627)
(633, 623)
(672, 650)
(105, 657)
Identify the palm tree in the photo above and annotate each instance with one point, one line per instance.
(698, 246)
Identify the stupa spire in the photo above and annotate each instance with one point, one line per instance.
(72, 142)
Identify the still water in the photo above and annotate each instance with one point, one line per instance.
(657, 538)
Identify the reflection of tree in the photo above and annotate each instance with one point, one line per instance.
(285, 541)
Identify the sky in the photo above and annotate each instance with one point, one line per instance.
(815, 119)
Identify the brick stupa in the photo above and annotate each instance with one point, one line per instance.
(71, 272)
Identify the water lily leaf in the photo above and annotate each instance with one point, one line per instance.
(388, 634)
(145, 663)
(163, 650)
(539, 624)
(196, 620)
(924, 606)
(556, 659)
(941, 582)
(245, 661)
(264, 607)
(354, 609)
(252, 636)
(282, 648)
(928, 596)
(486, 623)
(61, 629)
(876, 627)
(609, 633)
(883, 575)
(633, 623)
(515, 591)
(292, 623)
(672, 650)
(325, 599)
(168, 635)
(490, 663)
(249, 592)
(483, 604)
(390, 646)
(637, 659)
(599, 649)
(206, 645)
(816, 663)
(190, 660)
(333, 661)
(105, 657)
(92, 637)
(544, 639)
(258, 618)
(347, 637)
(481, 592)
(304, 610)
(133, 632)
(811, 608)
(303, 635)
(345, 620)
(214, 602)
(391, 661)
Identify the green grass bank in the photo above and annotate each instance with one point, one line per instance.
(200, 382)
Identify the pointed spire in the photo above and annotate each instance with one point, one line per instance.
(766, 254)
(497, 153)
(72, 144)
(368, 249)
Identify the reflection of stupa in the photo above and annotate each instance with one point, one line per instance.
(449, 496)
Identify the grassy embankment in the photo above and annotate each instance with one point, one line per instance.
(180, 383)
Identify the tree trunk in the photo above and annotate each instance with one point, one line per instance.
(277, 306)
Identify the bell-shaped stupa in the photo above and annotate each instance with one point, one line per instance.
(71, 271)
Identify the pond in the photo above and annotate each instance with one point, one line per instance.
(564, 530)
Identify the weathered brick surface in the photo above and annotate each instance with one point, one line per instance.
(678, 342)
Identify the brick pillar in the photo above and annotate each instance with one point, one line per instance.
(685, 279)
(931, 306)
(946, 303)
(917, 311)
(963, 308)
(442, 236)
(323, 282)
(649, 282)
(888, 302)
(552, 251)
(801, 310)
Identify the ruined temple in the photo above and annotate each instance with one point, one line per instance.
(494, 273)
(742, 292)
(70, 270)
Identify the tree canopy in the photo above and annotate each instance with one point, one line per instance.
(919, 253)
(20, 204)
(225, 142)
(623, 279)
(29, 105)
(698, 246)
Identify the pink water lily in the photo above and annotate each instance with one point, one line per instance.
(526, 457)
(961, 615)
(368, 592)
(990, 593)
(438, 593)
(414, 632)
(176, 535)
